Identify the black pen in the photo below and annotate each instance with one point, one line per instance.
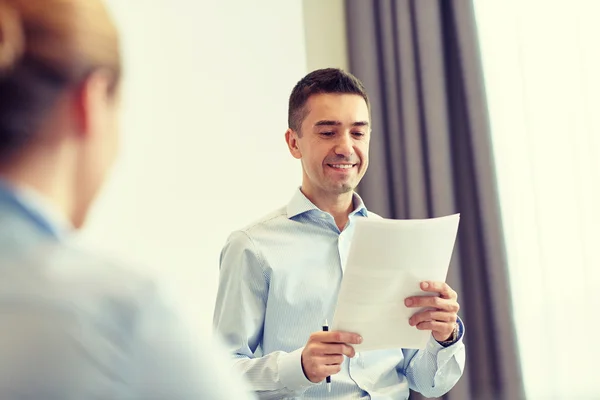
(328, 379)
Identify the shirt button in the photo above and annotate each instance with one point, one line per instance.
(324, 216)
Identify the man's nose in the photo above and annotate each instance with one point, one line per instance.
(344, 146)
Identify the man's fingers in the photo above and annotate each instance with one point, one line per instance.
(336, 337)
(324, 353)
(331, 360)
(342, 337)
(433, 302)
(328, 370)
(330, 349)
(442, 288)
(432, 315)
(319, 371)
(338, 349)
(435, 326)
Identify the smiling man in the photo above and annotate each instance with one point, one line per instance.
(280, 276)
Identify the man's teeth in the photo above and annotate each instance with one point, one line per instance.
(343, 166)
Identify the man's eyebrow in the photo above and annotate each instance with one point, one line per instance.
(327, 122)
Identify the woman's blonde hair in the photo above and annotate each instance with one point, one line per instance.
(47, 47)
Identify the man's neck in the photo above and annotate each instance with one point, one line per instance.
(339, 206)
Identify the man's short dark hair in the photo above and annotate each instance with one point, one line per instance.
(328, 80)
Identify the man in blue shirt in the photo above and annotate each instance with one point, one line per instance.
(280, 276)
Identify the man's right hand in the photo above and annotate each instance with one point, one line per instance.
(324, 353)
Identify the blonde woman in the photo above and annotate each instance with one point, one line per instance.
(74, 325)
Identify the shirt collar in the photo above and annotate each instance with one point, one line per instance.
(38, 207)
(300, 204)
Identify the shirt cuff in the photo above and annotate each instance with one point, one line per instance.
(434, 346)
(291, 374)
(454, 351)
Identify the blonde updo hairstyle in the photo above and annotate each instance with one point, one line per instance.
(46, 48)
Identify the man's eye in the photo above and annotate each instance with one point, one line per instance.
(358, 133)
(327, 133)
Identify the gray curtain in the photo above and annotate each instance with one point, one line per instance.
(431, 156)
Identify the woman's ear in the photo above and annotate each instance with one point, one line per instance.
(92, 102)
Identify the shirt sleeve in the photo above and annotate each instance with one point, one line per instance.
(239, 318)
(433, 371)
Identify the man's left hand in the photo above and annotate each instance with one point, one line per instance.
(441, 315)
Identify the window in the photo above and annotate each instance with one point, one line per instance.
(541, 63)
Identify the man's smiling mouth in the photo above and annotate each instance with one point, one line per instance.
(342, 166)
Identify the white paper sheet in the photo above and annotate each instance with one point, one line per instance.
(387, 261)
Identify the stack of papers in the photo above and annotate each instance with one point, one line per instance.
(388, 260)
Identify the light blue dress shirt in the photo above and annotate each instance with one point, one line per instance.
(279, 281)
(78, 326)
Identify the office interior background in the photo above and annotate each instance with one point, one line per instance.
(203, 154)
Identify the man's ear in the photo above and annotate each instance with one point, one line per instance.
(291, 137)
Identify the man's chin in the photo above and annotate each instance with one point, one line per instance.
(344, 188)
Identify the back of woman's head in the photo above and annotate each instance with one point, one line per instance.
(46, 48)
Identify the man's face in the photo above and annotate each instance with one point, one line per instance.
(333, 144)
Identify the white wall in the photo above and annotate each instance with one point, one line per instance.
(325, 31)
(203, 151)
